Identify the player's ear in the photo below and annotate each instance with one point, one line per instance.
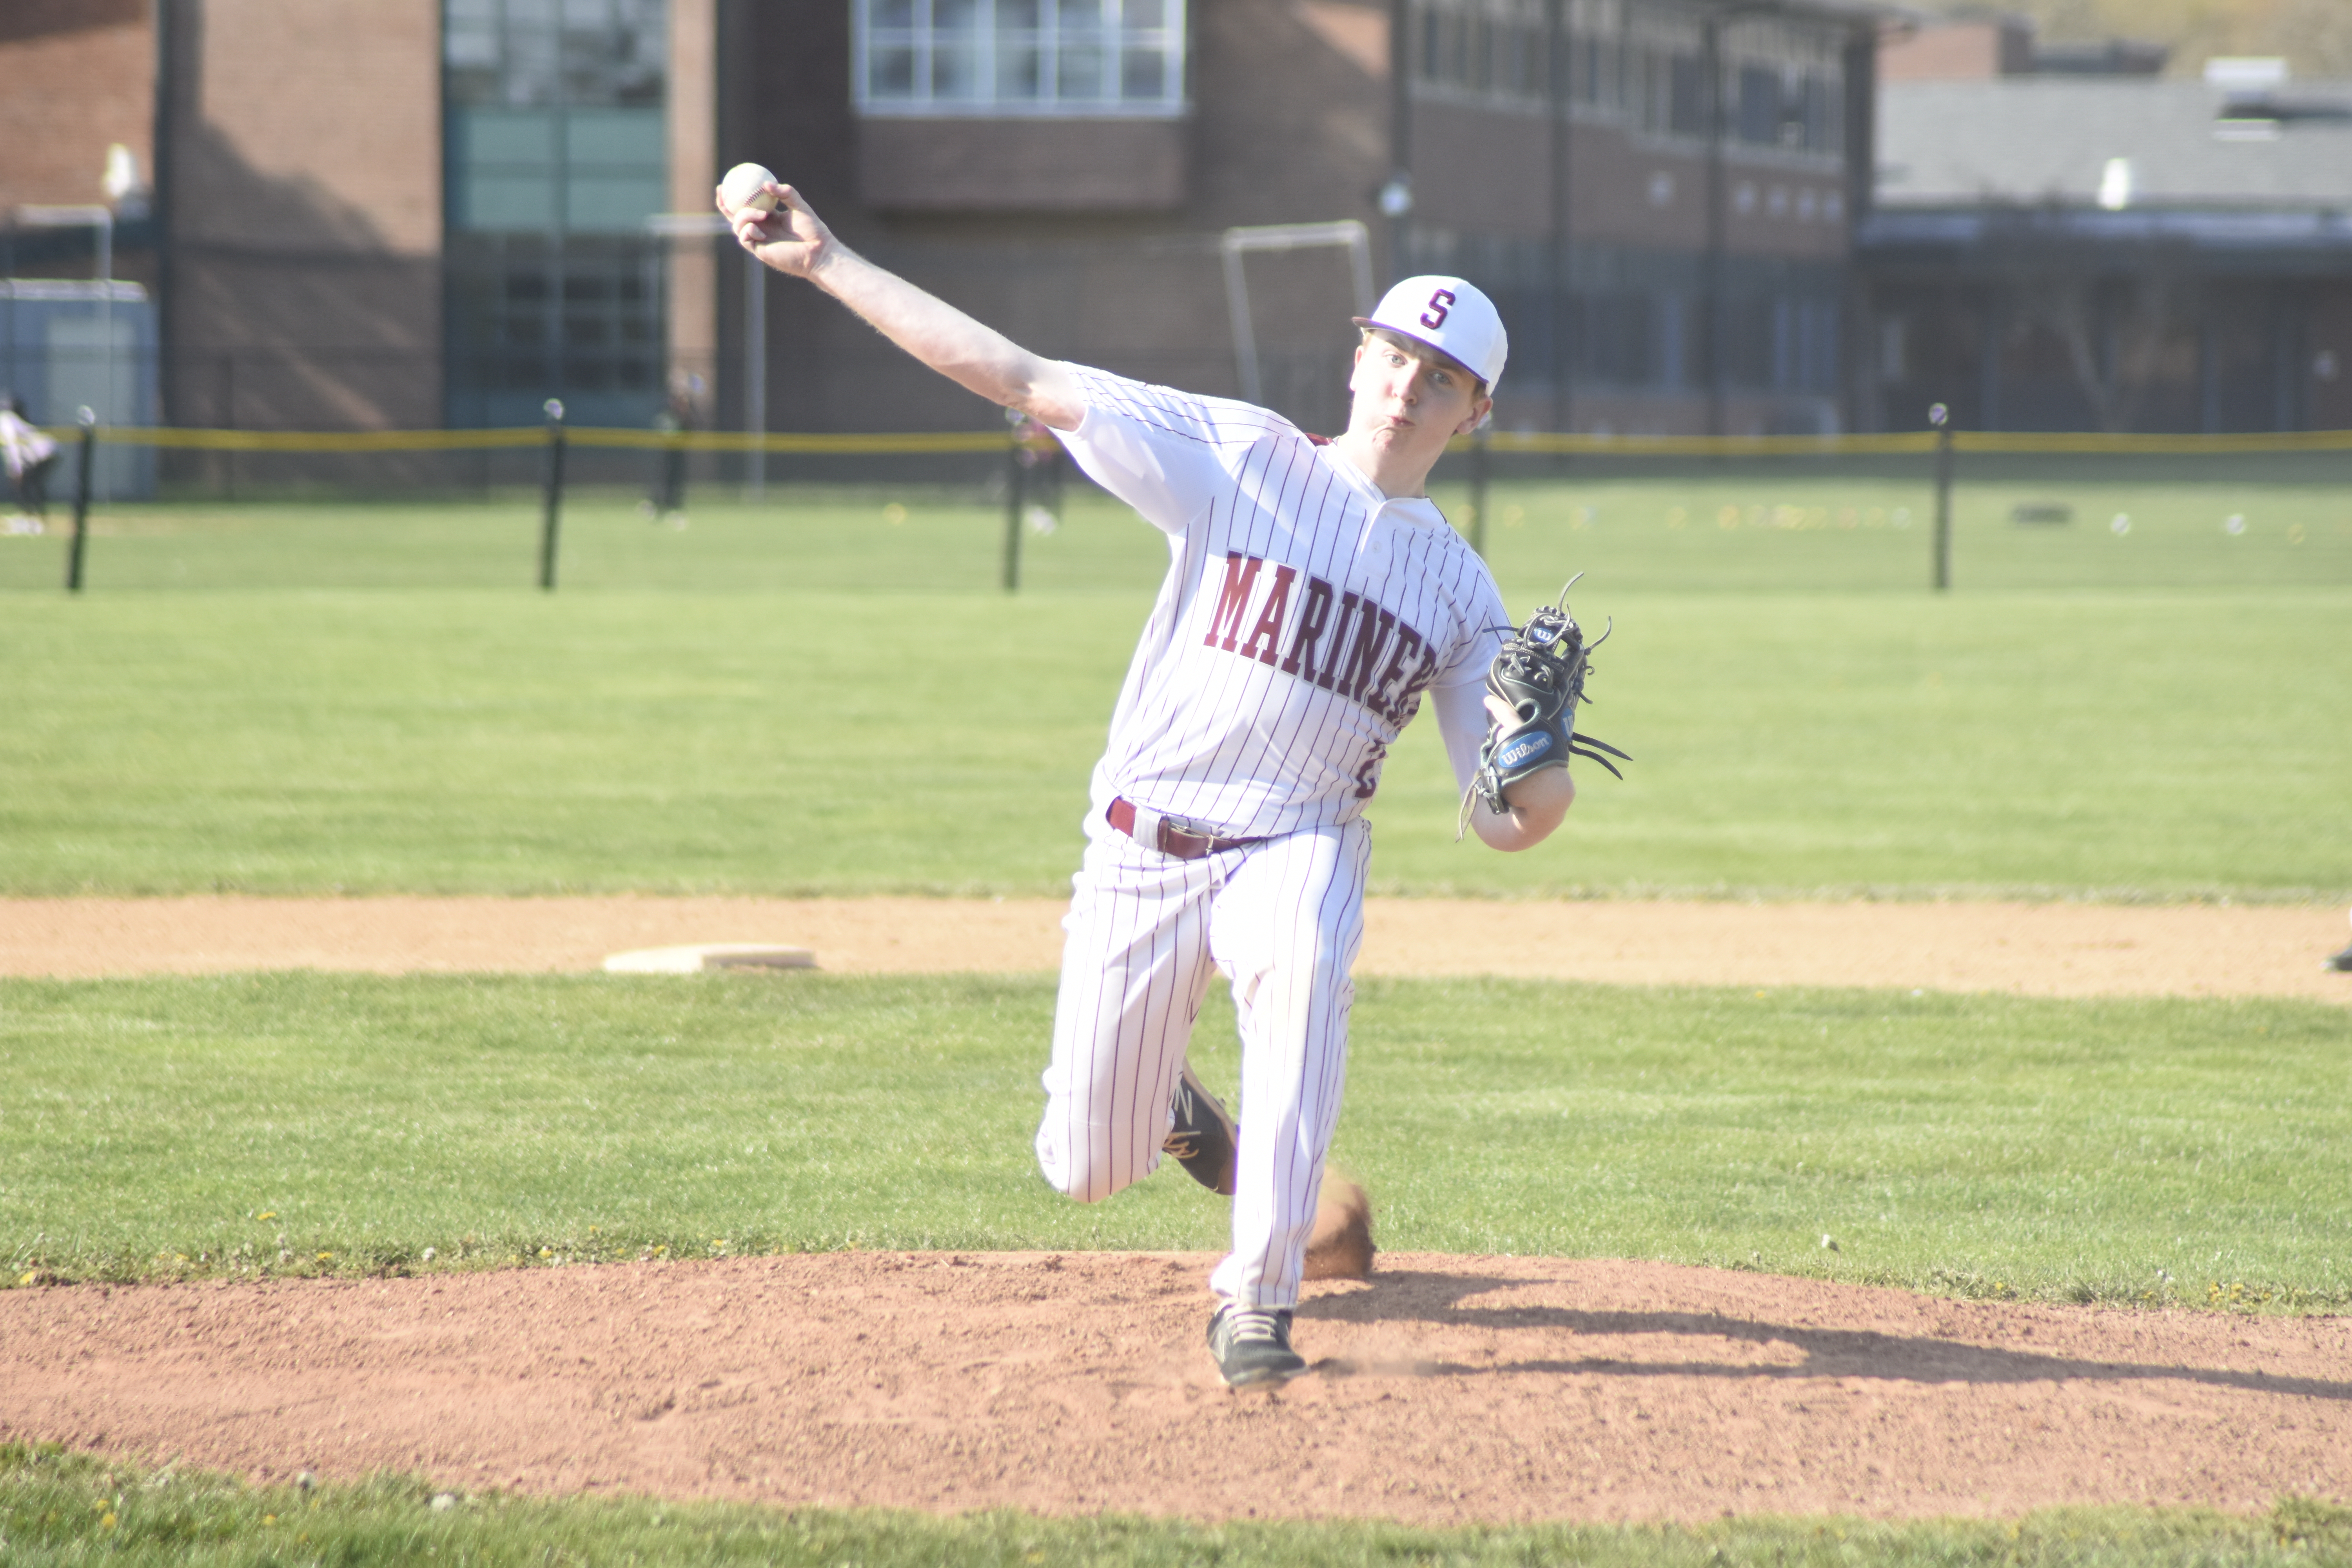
(1479, 409)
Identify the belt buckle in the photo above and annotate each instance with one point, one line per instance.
(1177, 827)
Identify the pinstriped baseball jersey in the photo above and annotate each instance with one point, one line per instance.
(1303, 617)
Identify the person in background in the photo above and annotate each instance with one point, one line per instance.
(31, 453)
(668, 503)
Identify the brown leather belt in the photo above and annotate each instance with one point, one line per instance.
(1168, 839)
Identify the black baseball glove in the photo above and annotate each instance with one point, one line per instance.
(1539, 674)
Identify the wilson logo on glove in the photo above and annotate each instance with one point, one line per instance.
(1524, 750)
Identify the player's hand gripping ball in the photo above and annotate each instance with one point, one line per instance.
(1538, 674)
(746, 186)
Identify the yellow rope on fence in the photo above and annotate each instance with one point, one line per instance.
(1700, 446)
(1900, 443)
(527, 436)
(319, 440)
(2017, 441)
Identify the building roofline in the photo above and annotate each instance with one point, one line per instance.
(1853, 13)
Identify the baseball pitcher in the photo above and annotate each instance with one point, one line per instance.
(1313, 597)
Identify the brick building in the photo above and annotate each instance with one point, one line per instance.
(383, 213)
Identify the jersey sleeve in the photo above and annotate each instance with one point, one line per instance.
(1164, 452)
(1485, 624)
(1462, 725)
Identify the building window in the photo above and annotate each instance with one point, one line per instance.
(556, 152)
(1483, 47)
(1019, 56)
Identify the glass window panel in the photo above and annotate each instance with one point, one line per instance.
(955, 15)
(473, 85)
(1138, 14)
(1080, 14)
(892, 13)
(1081, 71)
(469, 45)
(533, 67)
(1019, 72)
(890, 73)
(614, 136)
(1759, 104)
(1018, 15)
(501, 201)
(955, 70)
(618, 203)
(503, 136)
(1143, 74)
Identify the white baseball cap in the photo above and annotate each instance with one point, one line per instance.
(1452, 316)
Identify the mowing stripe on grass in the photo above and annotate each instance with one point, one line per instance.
(2155, 745)
(2122, 1151)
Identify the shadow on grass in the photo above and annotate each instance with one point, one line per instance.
(1419, 1295)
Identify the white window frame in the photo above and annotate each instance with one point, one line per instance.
(867, 38)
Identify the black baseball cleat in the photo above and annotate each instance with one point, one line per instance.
(1202, 1139)
(2342, 960)
(1253, 1346)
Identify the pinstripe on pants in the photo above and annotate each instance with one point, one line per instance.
(1282, 919)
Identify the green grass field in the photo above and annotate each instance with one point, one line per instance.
(838, 716)
(57, 1508)
(2119, 1151)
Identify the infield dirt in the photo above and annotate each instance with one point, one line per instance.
(1445, 1390)
(2034, 949)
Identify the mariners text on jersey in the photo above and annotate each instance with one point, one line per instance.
(1303, 615)
(1340, 656)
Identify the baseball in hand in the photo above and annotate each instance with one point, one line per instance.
(745, 186)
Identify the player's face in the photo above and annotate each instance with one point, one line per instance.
(1412, 399)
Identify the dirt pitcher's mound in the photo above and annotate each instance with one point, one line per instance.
(1445, 1389)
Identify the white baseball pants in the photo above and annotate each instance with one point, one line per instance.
(1283, 918)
